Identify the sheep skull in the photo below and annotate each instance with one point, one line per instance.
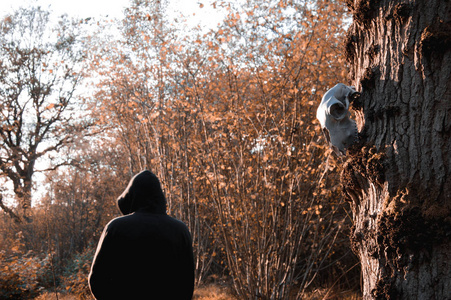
(334, 117)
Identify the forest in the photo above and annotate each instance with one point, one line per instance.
(225, 117)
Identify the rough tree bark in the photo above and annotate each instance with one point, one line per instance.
(398, 178)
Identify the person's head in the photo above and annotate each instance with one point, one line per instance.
(143, 193)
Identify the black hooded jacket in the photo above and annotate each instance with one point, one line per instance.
(145, 254)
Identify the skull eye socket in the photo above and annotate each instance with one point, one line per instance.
(338, 111)
(354, 96)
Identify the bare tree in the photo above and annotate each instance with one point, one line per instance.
(399, 177)
(40, 69)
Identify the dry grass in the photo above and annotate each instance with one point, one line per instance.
(52, 296)
(218, 292)
(213, 292)
(327, 294)
(208, 292)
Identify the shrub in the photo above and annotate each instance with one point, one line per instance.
(76, 274)
(23, 275)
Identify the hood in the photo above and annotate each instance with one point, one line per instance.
(143, 193)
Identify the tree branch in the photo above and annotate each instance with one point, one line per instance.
(9, 211)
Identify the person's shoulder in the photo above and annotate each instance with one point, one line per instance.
(180, 226)
(140, 219)
(118, 221)
(177, 222)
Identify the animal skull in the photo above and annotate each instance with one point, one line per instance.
(333, 114)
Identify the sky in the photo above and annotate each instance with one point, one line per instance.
(196, 11)
(79, 8)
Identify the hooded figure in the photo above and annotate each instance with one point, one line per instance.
(144, 254)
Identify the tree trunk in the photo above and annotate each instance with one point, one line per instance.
(398, 177)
